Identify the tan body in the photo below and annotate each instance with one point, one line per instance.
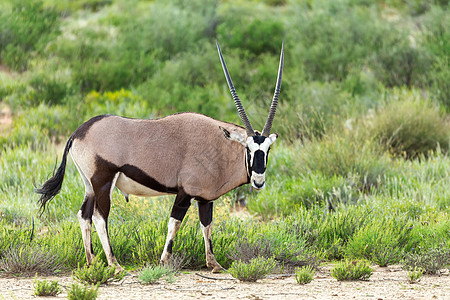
(185, 150)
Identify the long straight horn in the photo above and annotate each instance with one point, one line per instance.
(273, 106)
(240, 108)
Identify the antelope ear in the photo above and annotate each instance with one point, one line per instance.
(234, 136)
(273, 137)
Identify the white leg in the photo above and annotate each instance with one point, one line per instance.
(172, 229)
(210, 259)
(85, 225)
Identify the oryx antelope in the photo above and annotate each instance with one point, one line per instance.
(187, 154)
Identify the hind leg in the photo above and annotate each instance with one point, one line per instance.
(100, 215)
(85, 219)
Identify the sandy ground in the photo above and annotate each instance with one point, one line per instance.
(385, 283)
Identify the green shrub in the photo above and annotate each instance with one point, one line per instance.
(46, 288)
(27, 28)
(288, 251)
(123, 103)
(379, 243)
(431, 261)
(256, 268)
(352, 270)
(250, 26)
(414, 275)
(97, 273)
(417, 130)
(25, 259)
(304, 274)
(151, 274)
(77, 292)
(346, 156)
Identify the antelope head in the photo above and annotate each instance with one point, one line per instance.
(257, 145)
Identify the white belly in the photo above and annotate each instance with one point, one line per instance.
(131, 187)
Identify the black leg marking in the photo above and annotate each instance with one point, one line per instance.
(210, 246)
(181, 205)
(205, 212)
(87, 208)
(169, 246)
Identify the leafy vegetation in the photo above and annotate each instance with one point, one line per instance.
(97, 273)
(45, 288)
(361, 169)
(83, 292)
(304, 275)
(256, 268)
(352, 270)
(151, 274)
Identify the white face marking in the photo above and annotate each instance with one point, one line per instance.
(258, 179)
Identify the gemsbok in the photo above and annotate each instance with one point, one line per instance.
(188, 154)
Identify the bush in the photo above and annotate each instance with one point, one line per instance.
(97, 273)
(27, 28)
(379, 243)
(414, 132)
(123, 103)
(77, 292)
(352, 270)
(151, 274)
(256, 268)
(25, 259)
(287, 251)
(304, 275)
(431, 261)
(344, 155)
(46, 288)
(252, 27)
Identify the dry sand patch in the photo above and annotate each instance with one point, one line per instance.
(385, 283)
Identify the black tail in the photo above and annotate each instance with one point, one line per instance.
(53, 185)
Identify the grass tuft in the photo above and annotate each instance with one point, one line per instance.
(256, 268)
(97, 273)
(25, 259)
(77, 292)
(348, 270)
(304, 274)
(151, 274)
(46, 288)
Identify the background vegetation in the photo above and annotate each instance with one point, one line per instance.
(361, 168)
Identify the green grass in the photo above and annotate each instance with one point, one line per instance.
(361, 168)
(348, 270)
(304, 275)
(253, 270)
(151, 274)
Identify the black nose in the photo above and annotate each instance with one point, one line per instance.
(258, 185)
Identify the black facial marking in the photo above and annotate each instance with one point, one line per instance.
(259, 162)
(169, 246)
(259, 139)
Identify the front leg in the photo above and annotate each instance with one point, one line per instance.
(179, 209)
(205, 211)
